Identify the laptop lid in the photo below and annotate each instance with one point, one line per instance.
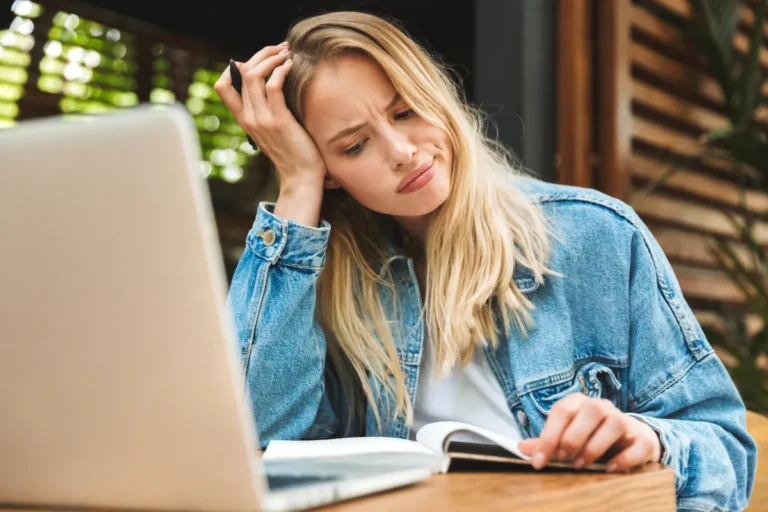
(120, 384)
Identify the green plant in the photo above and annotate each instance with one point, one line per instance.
(748, 349)
(744, 142)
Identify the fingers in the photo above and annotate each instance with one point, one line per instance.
(253, 94)
(560, 417)
(228, 94)
(527, 446)
(253, 81)
(264, 53)
(610, 431)
(636, 454)
(274, 87)
(586, 429)
(590, 415)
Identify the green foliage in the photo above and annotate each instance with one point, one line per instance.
(711, 29)
(748, 349)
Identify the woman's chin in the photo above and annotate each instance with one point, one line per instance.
(424, 205)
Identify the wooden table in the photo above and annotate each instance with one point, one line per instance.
(648, 489)
(651, 488)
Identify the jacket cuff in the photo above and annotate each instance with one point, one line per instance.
(274, 238)
(675, 447)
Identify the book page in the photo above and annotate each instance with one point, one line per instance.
(361, 451)
(436, 436)
(343, 447)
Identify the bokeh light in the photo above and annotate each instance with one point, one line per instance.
(90, 68)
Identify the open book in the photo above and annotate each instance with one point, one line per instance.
(433, 449)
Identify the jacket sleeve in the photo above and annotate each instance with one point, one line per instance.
(680, 388)
(271, 300)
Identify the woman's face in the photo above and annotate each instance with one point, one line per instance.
(371, 141)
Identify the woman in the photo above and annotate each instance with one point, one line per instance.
(548, 312)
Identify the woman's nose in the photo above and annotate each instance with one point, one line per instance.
(401, 149)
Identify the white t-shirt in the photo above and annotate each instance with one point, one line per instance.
(471, 395)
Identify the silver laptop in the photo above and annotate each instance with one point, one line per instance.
(120, 385)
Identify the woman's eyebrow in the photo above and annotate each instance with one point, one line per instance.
(352, 129)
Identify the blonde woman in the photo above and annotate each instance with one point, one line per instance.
(410, 272)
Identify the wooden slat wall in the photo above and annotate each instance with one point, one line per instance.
(652, 99)
(614, 113)
(574, 113)
(674, 101)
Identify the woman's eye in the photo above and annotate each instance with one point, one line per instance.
(405, 114)
(356, 148)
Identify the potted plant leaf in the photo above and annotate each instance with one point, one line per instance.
(744, 143)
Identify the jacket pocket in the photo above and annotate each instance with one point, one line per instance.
(592, 379)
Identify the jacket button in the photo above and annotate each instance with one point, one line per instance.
(522, 418)
(268, 236)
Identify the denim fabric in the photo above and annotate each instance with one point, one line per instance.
(616, 326)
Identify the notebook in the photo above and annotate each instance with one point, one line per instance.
(433, 449)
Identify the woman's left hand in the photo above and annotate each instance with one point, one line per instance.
(582, 429)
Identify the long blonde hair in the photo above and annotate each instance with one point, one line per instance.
(484, 229)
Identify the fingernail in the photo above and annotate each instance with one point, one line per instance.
(578, 463)
(611, 467)
(538, 460)
(284, 52)
(284, 44)
(561, 455)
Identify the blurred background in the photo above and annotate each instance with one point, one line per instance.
(661, 103)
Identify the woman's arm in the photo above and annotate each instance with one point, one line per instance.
(272, 301)
(679, 387)
(682, 406)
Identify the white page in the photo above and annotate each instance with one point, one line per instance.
(436, 436)
(358, 450)
(342, 447)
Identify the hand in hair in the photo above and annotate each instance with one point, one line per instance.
(262, 112)
(583, 429)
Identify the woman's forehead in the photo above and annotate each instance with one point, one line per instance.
(343, 89)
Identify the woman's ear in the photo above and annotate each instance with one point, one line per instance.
(331, 183)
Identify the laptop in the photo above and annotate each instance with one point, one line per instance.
(120, 380)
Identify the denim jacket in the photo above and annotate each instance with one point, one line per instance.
(615, 326)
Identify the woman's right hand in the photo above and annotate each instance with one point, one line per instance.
(261, 111)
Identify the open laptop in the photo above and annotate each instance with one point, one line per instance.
(120, 384)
